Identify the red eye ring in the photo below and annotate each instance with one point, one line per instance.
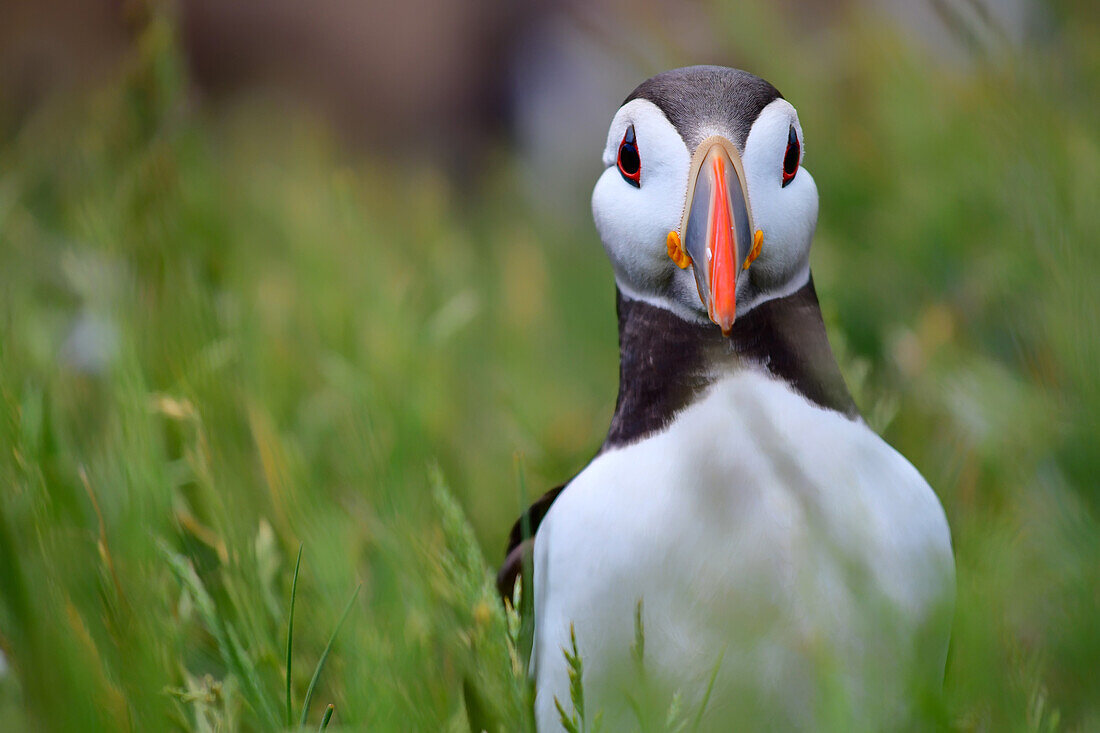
(628, 161)
(791, 157)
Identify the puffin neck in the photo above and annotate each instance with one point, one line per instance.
(666, 362)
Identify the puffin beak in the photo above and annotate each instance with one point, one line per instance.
(717, 231)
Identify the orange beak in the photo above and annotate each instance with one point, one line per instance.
(723, 248)
(717, 229)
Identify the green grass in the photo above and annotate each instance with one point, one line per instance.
(306, 350)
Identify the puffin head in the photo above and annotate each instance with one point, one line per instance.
(704, 207)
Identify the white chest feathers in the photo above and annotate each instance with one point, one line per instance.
(777, 548)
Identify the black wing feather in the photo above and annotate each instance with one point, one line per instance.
(521, 539)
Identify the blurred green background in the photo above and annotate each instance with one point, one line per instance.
(239, 319)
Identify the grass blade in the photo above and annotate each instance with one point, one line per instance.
(324, 656)
(637, 650)
(526, 609)
(710, 688)
(290, 632)
(327, 718)
(577, 722)
(229, 645)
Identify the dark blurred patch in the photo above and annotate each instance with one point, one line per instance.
(48, 45)
(406, 77)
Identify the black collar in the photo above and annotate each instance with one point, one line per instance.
(666, 361)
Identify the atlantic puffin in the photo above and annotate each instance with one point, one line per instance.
(786, 568)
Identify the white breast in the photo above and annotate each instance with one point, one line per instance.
(780, 543)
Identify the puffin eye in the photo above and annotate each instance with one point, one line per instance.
(630, 165)
(790, 159)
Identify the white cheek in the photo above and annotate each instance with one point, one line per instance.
(786, 214)
(801, 204)
(634, 224)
